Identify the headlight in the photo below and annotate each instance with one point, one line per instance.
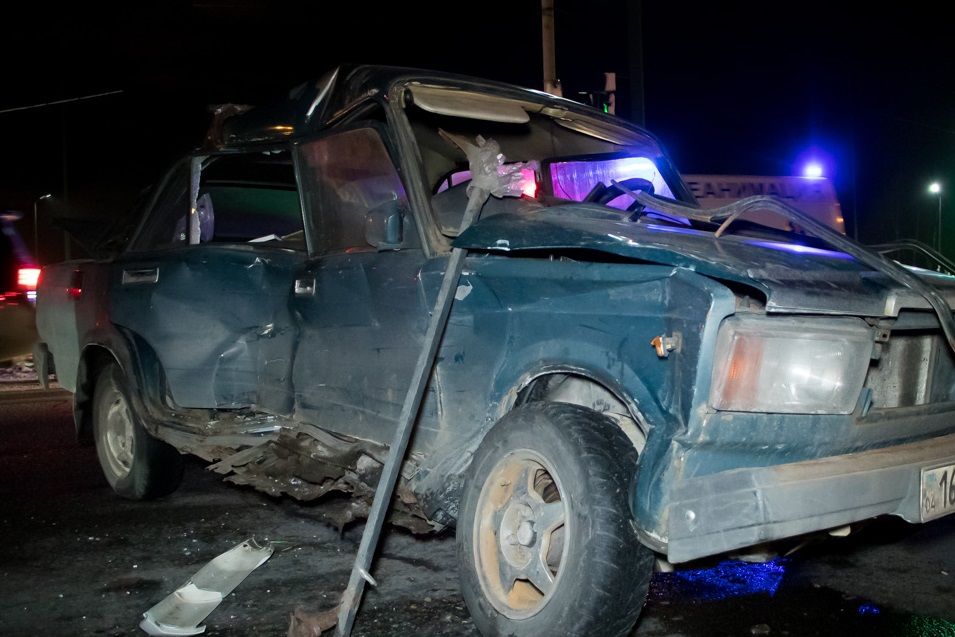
(805, 366)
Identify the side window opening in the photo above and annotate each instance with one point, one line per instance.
(250, 198)
(352, 187)
(242, 198)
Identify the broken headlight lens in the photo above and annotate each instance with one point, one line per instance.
(794, 366)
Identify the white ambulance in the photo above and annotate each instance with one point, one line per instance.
(813, 195)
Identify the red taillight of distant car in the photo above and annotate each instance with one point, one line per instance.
(27, 278)
(75, 290)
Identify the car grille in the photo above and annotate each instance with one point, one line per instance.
(914, 368)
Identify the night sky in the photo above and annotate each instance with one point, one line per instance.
(752, 88)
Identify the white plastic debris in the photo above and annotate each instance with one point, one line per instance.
(181, 612)
(463, 291)
(489, 172)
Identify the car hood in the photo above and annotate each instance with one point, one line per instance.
(794, 278)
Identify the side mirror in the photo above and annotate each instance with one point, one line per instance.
(384, 226)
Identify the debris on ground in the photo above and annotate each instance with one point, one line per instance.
(181, 612)
(305, 624)
(18, 372)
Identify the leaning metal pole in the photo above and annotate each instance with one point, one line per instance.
(409, 412)
(489, 176)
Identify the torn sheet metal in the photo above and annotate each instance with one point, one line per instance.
(306, 463)
(181, 612)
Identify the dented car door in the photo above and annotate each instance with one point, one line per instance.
(358, 301)
(206, 282)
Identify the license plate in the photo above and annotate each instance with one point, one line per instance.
(938, 492)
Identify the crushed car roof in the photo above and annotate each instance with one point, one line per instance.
(317, 103)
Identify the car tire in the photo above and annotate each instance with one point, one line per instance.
(545, 539)
(136, 465)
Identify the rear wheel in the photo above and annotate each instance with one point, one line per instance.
(136, 465)
(546, 545)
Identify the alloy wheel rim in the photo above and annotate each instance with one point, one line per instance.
(521, 527)
(119, 436)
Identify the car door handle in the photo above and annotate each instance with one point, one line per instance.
(142, 275)
(304, 287)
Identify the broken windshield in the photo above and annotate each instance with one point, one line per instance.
(568, 158)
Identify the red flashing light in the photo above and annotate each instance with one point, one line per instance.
(27, 278)
(528, 183)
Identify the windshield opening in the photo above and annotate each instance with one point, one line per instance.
(565, 162)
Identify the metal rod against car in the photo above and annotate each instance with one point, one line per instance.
(406, 421)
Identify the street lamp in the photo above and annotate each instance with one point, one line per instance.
(36, 243)
(936, 189)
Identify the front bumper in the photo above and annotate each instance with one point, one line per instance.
(742, 507)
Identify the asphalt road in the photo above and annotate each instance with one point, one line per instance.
(75, 560)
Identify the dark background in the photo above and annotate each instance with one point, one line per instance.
(747, 88)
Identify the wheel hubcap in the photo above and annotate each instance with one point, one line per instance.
(520, 525)
(119, 436)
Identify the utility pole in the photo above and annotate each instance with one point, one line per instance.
(635, 60)
(551, 83)
(67, 251)
(610, 90)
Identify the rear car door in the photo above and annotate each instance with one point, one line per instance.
(205, 284)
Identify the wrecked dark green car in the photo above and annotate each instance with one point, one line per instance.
(623, 375)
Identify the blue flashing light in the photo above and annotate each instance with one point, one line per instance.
(812, 170)
(869, 609)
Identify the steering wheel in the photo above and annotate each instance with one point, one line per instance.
(605, 194)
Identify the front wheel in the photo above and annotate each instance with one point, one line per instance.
(136, 465)
(546, 545)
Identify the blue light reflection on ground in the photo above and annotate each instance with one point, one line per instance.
(725, 581)
(741, 589)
